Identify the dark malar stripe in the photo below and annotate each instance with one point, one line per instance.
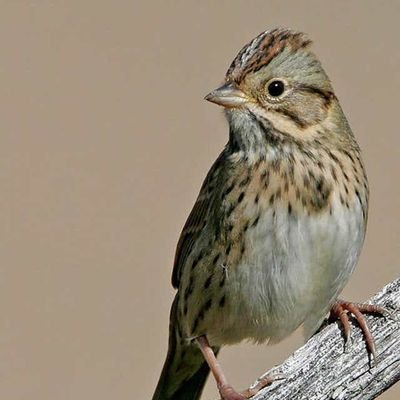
(266, 129)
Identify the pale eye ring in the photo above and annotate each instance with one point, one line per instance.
(276, 88)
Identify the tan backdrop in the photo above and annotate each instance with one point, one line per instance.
(105, 139)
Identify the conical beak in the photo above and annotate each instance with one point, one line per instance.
(227, 96)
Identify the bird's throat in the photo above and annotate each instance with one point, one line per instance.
(249, 136)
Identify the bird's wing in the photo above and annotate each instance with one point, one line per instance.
(197, 219)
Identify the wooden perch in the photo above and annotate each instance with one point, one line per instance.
(323, 369)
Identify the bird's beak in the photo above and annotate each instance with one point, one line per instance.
(227, 96)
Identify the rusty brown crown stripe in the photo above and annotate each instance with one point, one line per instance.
(260, 51)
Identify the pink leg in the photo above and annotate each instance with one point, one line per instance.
(226, 391)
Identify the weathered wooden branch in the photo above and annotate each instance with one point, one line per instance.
(324, 369)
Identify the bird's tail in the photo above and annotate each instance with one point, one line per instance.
(185, 371)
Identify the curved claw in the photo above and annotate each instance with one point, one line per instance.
(263, 381)
(341, 310)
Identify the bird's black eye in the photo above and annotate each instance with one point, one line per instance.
(276, 88)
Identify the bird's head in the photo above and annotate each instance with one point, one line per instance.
(277, 82)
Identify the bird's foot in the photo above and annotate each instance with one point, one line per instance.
(341, 309)
(227, 392)
(262, 382)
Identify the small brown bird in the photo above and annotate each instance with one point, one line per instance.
(280, 220)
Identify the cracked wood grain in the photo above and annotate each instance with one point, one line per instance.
(323, 369)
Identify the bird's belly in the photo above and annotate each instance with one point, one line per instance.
(292, 271)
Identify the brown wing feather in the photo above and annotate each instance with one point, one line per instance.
(197, 219)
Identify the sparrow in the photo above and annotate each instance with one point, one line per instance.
(279, 222)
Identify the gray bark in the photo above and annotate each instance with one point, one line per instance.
(324, 369)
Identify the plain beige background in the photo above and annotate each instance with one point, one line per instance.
(105, 139)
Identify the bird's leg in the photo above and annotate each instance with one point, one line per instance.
(226, 391)
(341, 310)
